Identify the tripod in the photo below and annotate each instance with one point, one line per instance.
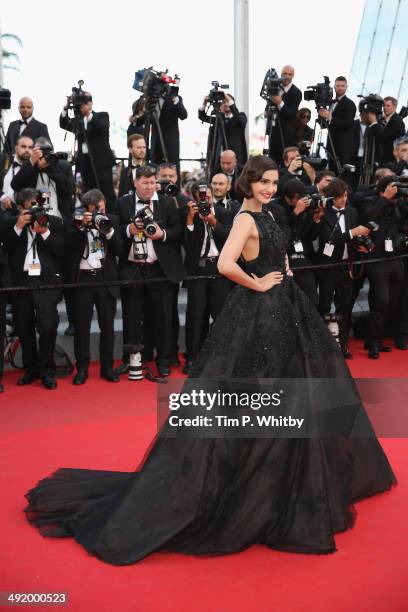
(368, 160)
(152, 118)
(319, 126)
(219, 139)
(272, 120)
(77, 126)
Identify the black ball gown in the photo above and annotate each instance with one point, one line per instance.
(221, 495)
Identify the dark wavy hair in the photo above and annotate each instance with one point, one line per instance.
(252, 172)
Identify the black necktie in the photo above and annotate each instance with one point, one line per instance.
(208, 232)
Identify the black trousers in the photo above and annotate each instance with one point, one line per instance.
(2, 331)
(157, 297)
(336, 283)
(386, 280)
(105, 180)
(306, 279)
(37, 310)
(84, 300)
(205, 299)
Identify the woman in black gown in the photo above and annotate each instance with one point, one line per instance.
(218, 496)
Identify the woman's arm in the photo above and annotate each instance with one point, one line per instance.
(241, 231)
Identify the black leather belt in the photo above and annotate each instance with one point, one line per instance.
(90, 272)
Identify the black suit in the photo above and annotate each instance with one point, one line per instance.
(36, 309)
(35, 129)
(158, 296)
(96, 139)
(206, 297)
(341, 129)
(170, 114)
(392, 130)
(288, 123)
(60, 173)
(104, 298)
(5, 281)
(234, 128)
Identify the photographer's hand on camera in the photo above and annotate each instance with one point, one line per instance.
(295, 165)
(159, 235)
(360, 230)
(192, 212)
(210, 219)
(390, 193)
(302, 205)
(23, 219)
(35, 155)
(324, 113)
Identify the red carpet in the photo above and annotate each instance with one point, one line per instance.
(107, 426)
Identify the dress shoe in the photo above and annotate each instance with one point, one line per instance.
(122, 369)
(346, 352)
(27, 379)
(164, 370)
(401, 343)
(109, 375)
(187, 366)
(373, 352)
(70, 331)
(80, 377)
(1, 388)
(384, 349)
(49, 382)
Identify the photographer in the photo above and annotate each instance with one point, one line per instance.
(284, 132)
(27, 126)
(340, 121)
(170, 110)
(370, 109)
(394, 128)
(137, 118)
(152, 233)
(5, 281)
(220, 188)
(207, 227)
(233, 126)
(137, 157)
(295, 167)
(46, 172)
(229, 165)
(386, 277)
(400, 153)
(34, 243)
(303, 215)
(94, 157)
(338, 230)
(167, 179)
(94, 240)
(323, 179)
(22, 150)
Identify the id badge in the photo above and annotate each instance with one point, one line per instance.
(139, 253)
(328, 249)
(298, 246)
(389, 247)
(34, 269)
(85, 148)
(97, 249)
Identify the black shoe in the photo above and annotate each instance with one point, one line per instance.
(1, 388)
(187, 366)
(122, 369)
(80, 377)
(109, 375)
(27, 379)
(175, 361)
(164, 370)
(373, 352)
(384, 349)
(49, 381)
(346, 352)
(70, 331)
(401, 344)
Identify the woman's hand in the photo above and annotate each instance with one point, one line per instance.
(268, 281)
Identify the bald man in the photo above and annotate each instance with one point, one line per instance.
(284, 133)
(229, 165)
(27, 125)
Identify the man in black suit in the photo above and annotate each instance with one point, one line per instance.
(233, 125)
(5, 281)
(400, 153)
(35, 249)
(170, 110)
(337, 228)
(22, 151)
(340, 122)
(27, 125)
(220, 189)
(91, 252)
(284, 133)
(149, 255)
(94, 157)
(54, 176)
(204, 236)
(394, 128)
(229, 165)
(137, 157)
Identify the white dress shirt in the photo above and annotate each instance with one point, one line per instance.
(148, 242)
(30, 259)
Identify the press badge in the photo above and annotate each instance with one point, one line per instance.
(97, 248)
(298, 246)
(389, 247)
(139, 250)
(328, 249)
(34, 269)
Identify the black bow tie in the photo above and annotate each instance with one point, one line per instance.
(144, 202)
(23, 122)
(16, 164)
(339, 211)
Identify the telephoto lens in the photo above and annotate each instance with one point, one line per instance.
(135, 361)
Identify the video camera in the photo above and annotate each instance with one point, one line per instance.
(5, 99)
(216, 95)
(204, 207)
(272, 85)
(321, 93)
(78, 97)
(154, 84)
(372, 103)
(167, 188)
(145, 215)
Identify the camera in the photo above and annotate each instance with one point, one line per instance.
(49, 155)
(204, 207)
(145, 215)
(372, 103)
(154, 84)
(365, 241)
(402, 184)
(5, 99)
(167, 188)
(319, 163)
(78, 97)
(99, 221)
(271, 86)
(216, 95)
(321, 93)
(39, 212)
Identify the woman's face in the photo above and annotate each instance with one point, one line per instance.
(304, 118)
(264, 189)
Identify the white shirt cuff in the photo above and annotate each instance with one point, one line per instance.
(45, 235)
(18, 230)
(351, 235)
(89, 117)
(281, 105)
(110, 233)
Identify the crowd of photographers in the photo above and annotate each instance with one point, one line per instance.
(142, 234)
